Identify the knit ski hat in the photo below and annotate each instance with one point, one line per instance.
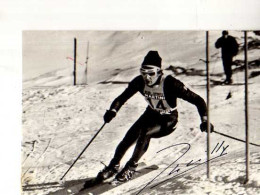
(224, 32)
(152, 58)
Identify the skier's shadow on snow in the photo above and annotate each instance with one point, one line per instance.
(32, 187)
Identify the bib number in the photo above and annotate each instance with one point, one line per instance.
(159, 104)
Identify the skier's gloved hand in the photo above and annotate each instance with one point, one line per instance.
(203, 127)
(109, 115)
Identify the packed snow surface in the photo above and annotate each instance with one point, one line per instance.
(59, 119)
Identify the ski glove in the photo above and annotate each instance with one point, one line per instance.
(203, 127)
(109, 115)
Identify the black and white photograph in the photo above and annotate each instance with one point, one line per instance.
(130, 97)
(125, 112)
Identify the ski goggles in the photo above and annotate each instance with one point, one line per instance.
(149, 70)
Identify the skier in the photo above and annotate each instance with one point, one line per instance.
(158, 120)
(229, 49)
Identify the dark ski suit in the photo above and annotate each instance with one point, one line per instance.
(229, 48)
(160, 117)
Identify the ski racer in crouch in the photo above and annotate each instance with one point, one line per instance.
(158, 120)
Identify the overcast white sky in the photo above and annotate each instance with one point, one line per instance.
(16, 16)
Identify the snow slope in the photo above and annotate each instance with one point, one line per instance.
(58, 121)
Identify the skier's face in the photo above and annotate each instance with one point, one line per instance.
(150, 74)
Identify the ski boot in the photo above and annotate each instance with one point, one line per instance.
(127, 172)
(107, 172)
(228, 82)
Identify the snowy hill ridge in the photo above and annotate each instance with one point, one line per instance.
(58, 121)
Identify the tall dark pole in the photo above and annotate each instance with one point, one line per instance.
(75, 61)
(246, 109)
(208, 102)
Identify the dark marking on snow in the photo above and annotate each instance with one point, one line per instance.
(254, 74)
(229, 95)
(114, 82)
(240, 65)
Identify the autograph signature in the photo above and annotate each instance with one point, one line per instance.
(219, 149)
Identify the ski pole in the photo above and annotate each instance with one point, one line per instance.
(83, 150)
(235, 138)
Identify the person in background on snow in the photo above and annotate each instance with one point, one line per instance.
(158, 120)
(229, 49)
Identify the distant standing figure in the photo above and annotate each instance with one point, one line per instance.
(229, 49)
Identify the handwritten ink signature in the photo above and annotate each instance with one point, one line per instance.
(218, 149)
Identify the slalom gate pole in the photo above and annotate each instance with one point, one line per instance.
(235, 138)
(247, 153)
(208, 104)
(83, 150)
(75, 61)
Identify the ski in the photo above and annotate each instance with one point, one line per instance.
(93, 186)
